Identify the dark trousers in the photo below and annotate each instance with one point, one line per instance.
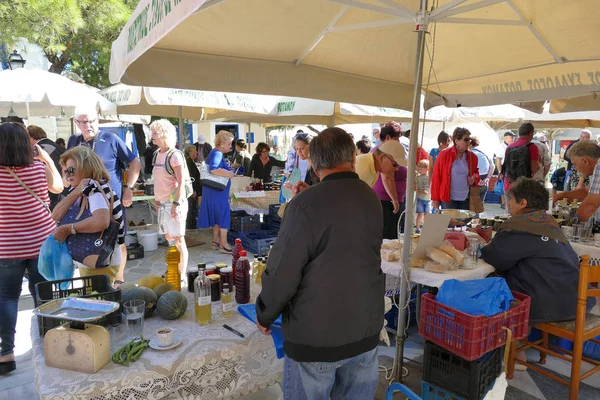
(390, 220)
(482, 192)
(11, 279)
(456, 205)
(192, 215)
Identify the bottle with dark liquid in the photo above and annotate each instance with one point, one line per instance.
(242, 279)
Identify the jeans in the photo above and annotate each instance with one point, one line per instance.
(351, 379)
(482, 192)
(455, 204)
(11, 279)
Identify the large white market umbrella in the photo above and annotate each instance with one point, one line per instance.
(480, 52)
(486, 51)
(299, 111)
(35, 92)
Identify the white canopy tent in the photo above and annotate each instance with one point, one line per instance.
(365, 52)
(35, 92)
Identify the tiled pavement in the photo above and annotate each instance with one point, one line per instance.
(526, 385)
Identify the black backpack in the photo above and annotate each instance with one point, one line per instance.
(517, 163)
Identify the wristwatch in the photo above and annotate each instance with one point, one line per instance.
(176, 203)
(128, 187)
(73, 231)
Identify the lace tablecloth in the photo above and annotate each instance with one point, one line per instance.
(211, 363)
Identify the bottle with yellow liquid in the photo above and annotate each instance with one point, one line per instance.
(202, 298)
(172, 259)
(261, 268)
(227, 301)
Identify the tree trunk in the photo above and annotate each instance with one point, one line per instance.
(58, 63)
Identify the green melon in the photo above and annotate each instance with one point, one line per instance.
(141, 293)
(171, 305)
(163, 288)
(126, 286)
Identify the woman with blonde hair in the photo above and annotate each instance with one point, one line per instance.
(214, 209)
(169, 193)
(89, 181)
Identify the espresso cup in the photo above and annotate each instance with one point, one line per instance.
(164, 337)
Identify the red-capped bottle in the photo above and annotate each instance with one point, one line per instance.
(235, 251)
(242, 279)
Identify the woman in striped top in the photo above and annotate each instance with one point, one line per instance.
(87, 176)
(25, 223)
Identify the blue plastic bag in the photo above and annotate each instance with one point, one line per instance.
(249, 311)
(55, 262)
(487, 297)
(499, 187)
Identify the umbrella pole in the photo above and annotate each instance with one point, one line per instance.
(180, 128)
(410, 192)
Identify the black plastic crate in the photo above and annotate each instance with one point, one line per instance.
(135, 251)
(82, 287)
(242, 222)
(273, 212)
(468, 379)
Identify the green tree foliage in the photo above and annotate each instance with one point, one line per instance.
(76, 35)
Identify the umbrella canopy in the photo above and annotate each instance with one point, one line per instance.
(192, 103)
(362, 51)
(299, 111)
(35, 92)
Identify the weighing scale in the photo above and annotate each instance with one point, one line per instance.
(77, 345)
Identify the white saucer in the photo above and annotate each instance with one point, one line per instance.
(176, 342)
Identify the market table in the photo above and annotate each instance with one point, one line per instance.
(151, 205)
(588, 249)
(211, 363)
(256, 202)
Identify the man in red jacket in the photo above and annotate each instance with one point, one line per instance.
(454, 173)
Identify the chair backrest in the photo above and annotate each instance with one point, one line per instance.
(587, 275)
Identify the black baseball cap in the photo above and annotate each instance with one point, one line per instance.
(509, 133)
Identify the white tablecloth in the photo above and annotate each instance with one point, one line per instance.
(211, 363)
(420, 276)
(589, 250)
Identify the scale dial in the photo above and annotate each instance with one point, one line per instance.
(84, 350)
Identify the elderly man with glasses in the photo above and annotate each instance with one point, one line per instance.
(115, 154)
(585, 156)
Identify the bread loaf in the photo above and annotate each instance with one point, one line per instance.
(432, 266)
(442, 258)
(447, 248)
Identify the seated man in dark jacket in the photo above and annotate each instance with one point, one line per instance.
(531, 252)
(324, 275)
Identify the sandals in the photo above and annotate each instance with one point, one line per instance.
(7, 367)
(225, 250)
(216, 245)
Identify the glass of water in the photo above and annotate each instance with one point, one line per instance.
(134, 317)
(577, 232)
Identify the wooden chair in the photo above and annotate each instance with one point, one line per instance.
(584, 328)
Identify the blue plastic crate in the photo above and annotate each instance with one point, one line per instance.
(492, 198)
(432, 392)
(273, 210)
(258, 242)
(242, 222)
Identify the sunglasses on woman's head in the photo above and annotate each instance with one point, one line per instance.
(69, 171)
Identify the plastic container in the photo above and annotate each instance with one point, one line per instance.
(82, 287)
(258, 243)
(432, 392)
(135, 251)
(273, 212)
(172, 258)
(242, 222)
(472, 337)
(469, 379)
(148, 239)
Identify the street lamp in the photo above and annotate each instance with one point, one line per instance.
(15, 60)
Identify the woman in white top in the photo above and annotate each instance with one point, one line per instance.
(85, 173)
(171, 202)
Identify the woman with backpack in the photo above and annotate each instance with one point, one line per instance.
(169, 187)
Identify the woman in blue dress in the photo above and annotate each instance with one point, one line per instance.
(214, 208)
